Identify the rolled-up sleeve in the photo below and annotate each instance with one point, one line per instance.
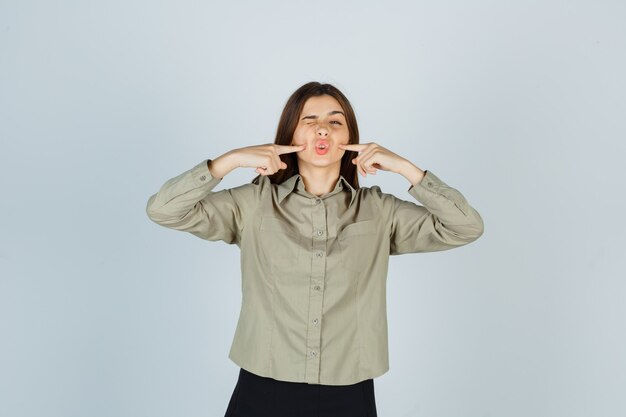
(188, 203)
(445, 220)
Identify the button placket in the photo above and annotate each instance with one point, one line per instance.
(318, 272)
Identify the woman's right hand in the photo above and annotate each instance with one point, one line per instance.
(265, 158)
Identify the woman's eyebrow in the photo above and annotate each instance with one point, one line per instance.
(313, 116)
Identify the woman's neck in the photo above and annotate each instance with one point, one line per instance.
(319, 181)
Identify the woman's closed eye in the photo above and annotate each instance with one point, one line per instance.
(332, 121)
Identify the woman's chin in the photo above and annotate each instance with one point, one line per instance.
(319, 161)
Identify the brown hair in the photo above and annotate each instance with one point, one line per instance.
(289, 121)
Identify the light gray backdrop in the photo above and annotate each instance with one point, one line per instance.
(518, 105)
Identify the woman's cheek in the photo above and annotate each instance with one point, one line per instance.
(297, 137)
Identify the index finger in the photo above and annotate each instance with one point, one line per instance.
(354, 146)
(289, 148)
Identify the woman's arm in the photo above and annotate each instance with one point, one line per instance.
(446, 219)
(188, 203)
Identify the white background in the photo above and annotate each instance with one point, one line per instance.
(520, 106)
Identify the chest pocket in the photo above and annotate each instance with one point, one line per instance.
(358, 244)
(279, 244)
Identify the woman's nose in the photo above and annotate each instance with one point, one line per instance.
(322, 132)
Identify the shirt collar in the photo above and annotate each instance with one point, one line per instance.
(295, 182)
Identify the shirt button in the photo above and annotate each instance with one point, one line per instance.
(315, 321)
(317, 201)
(317, 287)
(202, 178)
(320, 254)
(430, 184)
(313, 353)
(320, 232)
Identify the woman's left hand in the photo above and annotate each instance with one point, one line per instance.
(372, 157)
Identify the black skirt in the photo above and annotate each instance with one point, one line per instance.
(258, 396)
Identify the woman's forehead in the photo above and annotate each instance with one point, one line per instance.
(321, 105)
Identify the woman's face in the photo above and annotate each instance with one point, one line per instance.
(322, 126)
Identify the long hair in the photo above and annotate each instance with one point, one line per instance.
(289, 121)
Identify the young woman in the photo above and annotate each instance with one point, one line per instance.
(312, 331)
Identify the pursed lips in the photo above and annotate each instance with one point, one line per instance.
(322, 144)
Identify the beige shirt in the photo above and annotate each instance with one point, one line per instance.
(314, 269)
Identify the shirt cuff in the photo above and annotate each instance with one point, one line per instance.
(202, 176)
(429, 185)
(433, 193)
